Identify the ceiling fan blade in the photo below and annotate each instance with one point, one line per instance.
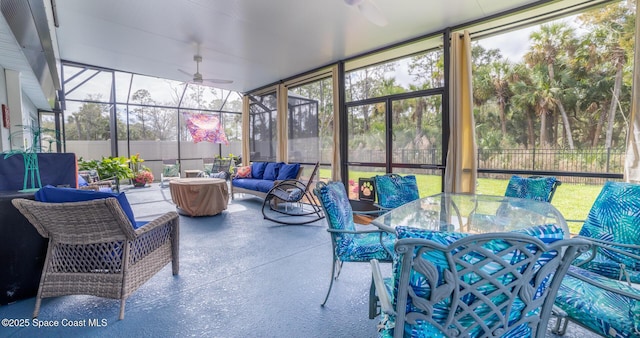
(185, 72)
(370, 10)
(219, 81)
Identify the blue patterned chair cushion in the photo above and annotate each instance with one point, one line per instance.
(420, 285)
(339, 215)
(605, 312)
(537, 189)
(365, 247)
(615, 217)
(170, 170)
(338, 209)
(395, 190)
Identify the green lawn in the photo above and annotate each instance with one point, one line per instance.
(572, 200)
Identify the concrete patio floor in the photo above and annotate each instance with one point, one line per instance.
(240, 276)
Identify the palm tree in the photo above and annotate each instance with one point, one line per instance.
(613, 29)
(546, 46)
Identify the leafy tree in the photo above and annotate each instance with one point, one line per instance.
(90, 122)
(143, 98)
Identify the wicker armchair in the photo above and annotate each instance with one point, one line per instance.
(94, 250)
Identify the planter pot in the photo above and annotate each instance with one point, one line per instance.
(139, 185)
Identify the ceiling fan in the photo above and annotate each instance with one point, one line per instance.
(369, 10)
(197, 77)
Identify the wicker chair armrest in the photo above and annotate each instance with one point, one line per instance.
(381, 290)
(168, 217)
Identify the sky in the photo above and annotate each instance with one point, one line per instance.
(512, 45)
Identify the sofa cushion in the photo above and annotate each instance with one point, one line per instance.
(257, 169)
(51, 194)
(264, 185)
(244, 172)
(288, 171)
(253, 184)
(246, 183)
(271, 171)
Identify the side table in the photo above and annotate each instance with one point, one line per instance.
(199, 196)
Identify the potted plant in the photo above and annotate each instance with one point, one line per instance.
(142, 177)
(111, 168)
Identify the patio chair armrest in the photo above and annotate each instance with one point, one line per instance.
(169, 217)
(368, 212)
(619, 289)
(356, 231)
(382, 209)
(381, 289)
(598, 244)
(290, 184)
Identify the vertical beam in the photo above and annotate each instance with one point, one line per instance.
(14, 103)
(340, 127)
(113, 118)
(446, 43)
(632, 159)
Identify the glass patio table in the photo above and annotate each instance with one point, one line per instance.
(471, 213)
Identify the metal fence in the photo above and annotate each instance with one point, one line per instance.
(589, 162)
(582, 160)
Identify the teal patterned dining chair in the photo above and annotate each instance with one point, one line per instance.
(349, 243)
(448, 284)
(537, 188)
(170, 169)
(597, 292)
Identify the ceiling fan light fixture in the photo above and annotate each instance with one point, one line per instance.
(197, 76)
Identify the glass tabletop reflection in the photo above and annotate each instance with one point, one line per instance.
(471, 213)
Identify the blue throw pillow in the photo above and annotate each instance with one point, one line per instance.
(257, 169)
(271, 171)
(51, 194)
(288, 171)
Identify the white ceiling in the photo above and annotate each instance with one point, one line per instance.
(252, 42)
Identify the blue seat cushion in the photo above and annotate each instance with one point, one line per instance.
(288, 171)
(51, 194)
(253, 184)
(271, 171)
(264, 185)
(608, 313)
(257, 169)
